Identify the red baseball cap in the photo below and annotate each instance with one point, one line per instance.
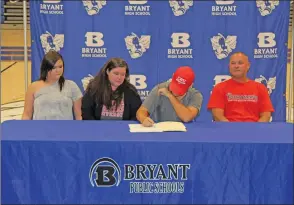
(182, 79)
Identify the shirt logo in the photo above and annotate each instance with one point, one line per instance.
(241, 98)
(181, 80)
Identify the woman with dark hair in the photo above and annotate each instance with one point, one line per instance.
(52, 97)
(110, 95)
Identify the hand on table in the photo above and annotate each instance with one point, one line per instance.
(147, 122)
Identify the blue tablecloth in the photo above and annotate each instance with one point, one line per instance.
(53, 162)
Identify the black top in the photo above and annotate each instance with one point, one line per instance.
(92, 111)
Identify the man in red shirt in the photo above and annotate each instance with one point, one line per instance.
(240, 99)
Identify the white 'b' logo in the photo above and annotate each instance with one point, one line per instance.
(224, 2)
(139, 81)
(94, 39)
(220, 78)
(137, 2)
(51, 1)
(180, 40)
(266, 40)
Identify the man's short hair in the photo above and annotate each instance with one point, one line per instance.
(239, 52)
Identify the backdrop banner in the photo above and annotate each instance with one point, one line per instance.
(156, 37)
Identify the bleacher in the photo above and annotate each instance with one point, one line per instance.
(9, 53)
(12, 12)
(12, 19)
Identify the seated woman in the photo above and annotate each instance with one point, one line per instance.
(110, 95)
(52, 97)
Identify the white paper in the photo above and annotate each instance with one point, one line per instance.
(141, 128)
(168, 126)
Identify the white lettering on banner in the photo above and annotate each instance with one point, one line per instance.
(93, 50)
(94, 39)
(51, 1)
(94, 42)
(265, 51)
(180, 40)
(51, 7)
(180, 51)
(143, 94)
(137, 13)
(224, 2)
(138, 2)
(139, 81)
(180, 43)
(137, 8)
(266, 42)
(224, 9)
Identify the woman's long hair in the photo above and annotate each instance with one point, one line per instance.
(48, 62)
(100, 88)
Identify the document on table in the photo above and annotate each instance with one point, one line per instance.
(168, 126)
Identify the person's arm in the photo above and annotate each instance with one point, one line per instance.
(189, 112)
(264, 117)
(217, 104)
(265, 105)
(88, 107)
(218, 115)
(77, 109)
(143, 117)
(77, 100)
(147, 108)
(29, 104)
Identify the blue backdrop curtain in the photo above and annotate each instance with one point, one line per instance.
(156, 37)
